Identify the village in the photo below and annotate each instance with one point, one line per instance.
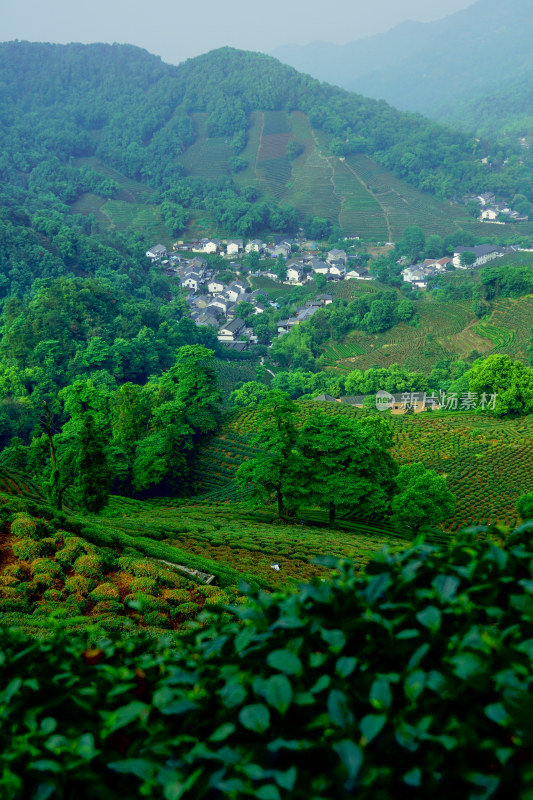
(213, 302)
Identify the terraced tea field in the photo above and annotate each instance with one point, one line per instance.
(122, 214)
(446, 331)
(231, 534)
(230, 373)
(402, 204)
(488, 462)
(206, 157)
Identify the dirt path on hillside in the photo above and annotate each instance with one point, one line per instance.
(376, 198)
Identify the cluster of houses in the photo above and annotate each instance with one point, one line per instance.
(236, 247)
(213, 302)
(491, 211)
(419, 274)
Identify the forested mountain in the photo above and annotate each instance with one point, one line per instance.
(436, 67)
(137, 115)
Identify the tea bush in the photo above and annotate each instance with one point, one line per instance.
(90, 565)
(104, 591)
(413, 680)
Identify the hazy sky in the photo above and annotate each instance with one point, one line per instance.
(179, 29)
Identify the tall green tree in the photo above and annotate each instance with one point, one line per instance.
(94, 477)
(423, 498)
(508, 382)
(346, 466)
(276, 469)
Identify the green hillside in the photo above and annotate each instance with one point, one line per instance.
(230, 142)
(445, 331)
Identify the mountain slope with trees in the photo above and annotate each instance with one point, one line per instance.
(140, 117)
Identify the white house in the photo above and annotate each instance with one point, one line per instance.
(234, 247)
(317, 265)
(483, 253)
(191, 281)
(199, 265)
(281, 249)
(489, 214)
(221, 302)
(211, 245)
(214, 286)
(336, 255)
(338, 270)
(157, 252)
(256, 245)
(415, 274)
(207, 319)
(236, 291)
(231, 330)
(295, 273)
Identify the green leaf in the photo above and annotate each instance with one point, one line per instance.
(86, 748)
(351, 757)
(285, 661)
(345, 666)
(115, 720)
(488, 783)
(44, 791)
(244, 638)
(335, 639)
(414, 684)
(45, 765)
(10, 691)
(417, 656)
(377, 586)
(322, 683)
(445, 586)
(468, 666)
(380, 694)
(255, 717)
(413, 778)
(285, 779)
(48, 725)
(497, 713)
(278, 692)
(371, 725)
(270, 792)
(430, 617)
(223, 732)
(409, 633)
(338, 709)
(140, 767)
(233, 693)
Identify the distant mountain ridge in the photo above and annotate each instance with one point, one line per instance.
(426, 66)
